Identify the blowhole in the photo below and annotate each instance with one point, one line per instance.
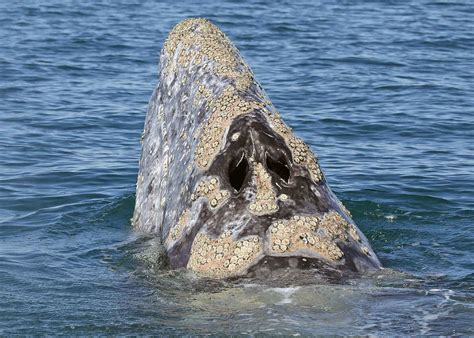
(238, 170)
(279, 167)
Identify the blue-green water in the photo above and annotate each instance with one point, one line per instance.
(382, 91)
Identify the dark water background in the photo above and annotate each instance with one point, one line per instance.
(381, 90)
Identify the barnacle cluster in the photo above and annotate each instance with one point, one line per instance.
(265, 199)
(300, 151)
(210, 188)
(314, 234)
(178, 229)
(223, 256)
(223, 111)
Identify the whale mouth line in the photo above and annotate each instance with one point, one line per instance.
(274, 266)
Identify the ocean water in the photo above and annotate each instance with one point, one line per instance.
(381, 90)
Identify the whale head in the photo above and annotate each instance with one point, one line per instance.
(226, 183)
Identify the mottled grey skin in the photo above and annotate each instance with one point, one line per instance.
(170, 169)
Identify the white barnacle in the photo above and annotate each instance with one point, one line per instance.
(235, 136)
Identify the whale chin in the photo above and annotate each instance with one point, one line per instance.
(290, 270)
(303, 269)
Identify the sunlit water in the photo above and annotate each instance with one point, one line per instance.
(382, 91)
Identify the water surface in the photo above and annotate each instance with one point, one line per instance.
(382, 91)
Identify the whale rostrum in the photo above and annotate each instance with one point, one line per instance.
(223, 180)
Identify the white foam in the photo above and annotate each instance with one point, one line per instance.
(429, 316)
(287, 294)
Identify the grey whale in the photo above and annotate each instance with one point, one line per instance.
(223, 181)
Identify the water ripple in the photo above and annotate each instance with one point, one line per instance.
(381, 91)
